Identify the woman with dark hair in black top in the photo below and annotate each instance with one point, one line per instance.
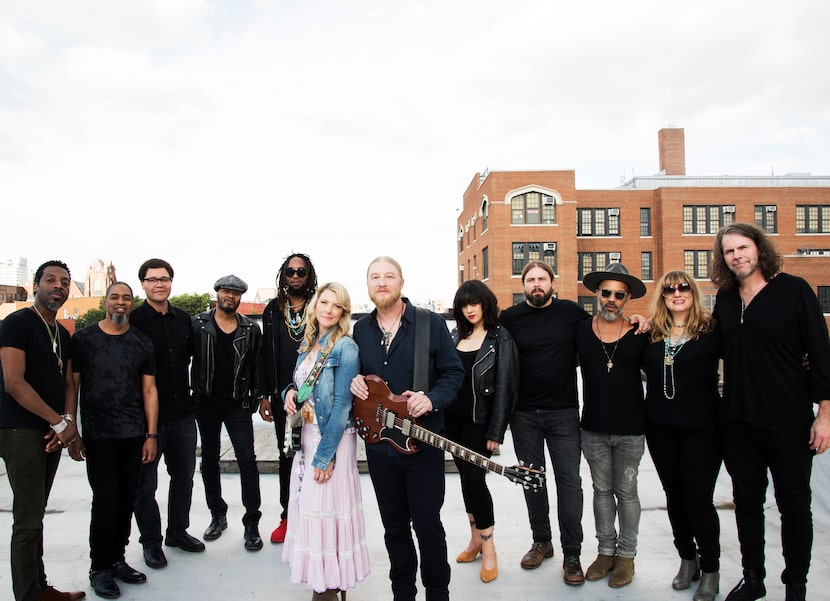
(477, 419)
(681, 365)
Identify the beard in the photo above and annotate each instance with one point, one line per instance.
(229, 309)
(539, 301)
(119, 319)
(387, 301)
(53, 306)
(301, 291)
(608, 316)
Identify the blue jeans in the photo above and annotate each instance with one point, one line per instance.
(240, 428)
(615, 462)
(559, 429)
(177, 442)
(31, 471)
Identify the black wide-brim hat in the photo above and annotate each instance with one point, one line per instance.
(619, 273)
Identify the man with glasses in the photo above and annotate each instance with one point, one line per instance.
(283, 324)
(769, 320)
(613, 419)
(169, 329)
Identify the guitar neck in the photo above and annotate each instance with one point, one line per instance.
(445, 444)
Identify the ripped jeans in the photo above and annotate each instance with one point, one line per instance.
(615, 462)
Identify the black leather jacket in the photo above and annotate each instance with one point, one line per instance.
(246, 387)
(495, 381)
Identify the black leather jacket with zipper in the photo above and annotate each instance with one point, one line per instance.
(246, 388)
(495, 381)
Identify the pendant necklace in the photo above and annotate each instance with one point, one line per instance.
(386, 339)
(54, 337)
(669, 353)
(610, 365)
(295, 321)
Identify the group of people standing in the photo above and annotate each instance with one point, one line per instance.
(145, 379)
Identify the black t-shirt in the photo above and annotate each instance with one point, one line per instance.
(547, 352)
(111, 368)
(612, 399)
(463, 404)
(223, 366)
(24, 330)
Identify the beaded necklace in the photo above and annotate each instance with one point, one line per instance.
(669, 353)
(295, 322)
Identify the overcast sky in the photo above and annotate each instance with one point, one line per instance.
(222, 135)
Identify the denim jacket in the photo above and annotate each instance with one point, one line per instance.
(331, 397)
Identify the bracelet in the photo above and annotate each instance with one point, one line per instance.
(152, 435)
(60, 426)
(68, 417)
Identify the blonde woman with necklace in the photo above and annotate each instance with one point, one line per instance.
(325, 542)
(681, 364)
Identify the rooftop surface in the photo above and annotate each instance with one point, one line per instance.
(227, 571)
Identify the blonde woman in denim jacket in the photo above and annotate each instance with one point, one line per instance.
(326, 543)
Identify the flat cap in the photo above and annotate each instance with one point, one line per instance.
(231, 282)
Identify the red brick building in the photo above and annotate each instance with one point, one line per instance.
(651, 224)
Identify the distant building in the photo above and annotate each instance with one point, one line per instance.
(651, 224)
(14, 272)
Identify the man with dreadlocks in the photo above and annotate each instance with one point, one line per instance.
(283, 324)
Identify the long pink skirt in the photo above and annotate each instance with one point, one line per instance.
(325, 544)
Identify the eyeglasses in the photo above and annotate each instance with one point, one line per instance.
(291, 272)
(153, 281)
(617, 294)
(681, 288)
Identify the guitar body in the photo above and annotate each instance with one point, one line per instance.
(372, 417)
(384, 417)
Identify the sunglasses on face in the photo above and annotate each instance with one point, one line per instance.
(682, 288)
(617, 294)
(291, 272)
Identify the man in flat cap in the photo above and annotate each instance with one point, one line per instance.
(225, 380)
(613, 419)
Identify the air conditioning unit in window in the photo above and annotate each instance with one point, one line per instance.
(547, 201)
(549, 246)
(729, 208)
(771, 208)
(613, 212)
(614, 256)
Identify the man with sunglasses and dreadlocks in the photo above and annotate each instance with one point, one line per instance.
(613, 419)
(283, 324)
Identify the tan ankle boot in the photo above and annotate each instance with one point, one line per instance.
(623, 572)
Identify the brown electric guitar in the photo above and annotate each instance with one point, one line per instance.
(383, 417)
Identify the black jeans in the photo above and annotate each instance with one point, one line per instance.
(285, 462)
(477, 498)
(532, 429)
(688, 463)
(410, 490)
(112, 466)
(177, 442)
(210, 416)
(31, 471)
(748, 451)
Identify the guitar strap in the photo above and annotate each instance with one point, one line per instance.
(420, 376)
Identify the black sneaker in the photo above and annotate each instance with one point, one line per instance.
(750, 588)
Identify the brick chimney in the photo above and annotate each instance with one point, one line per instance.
(672, 143)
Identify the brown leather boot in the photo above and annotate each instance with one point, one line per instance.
(623, 572)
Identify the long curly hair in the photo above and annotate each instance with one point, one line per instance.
(282, 286)
(769, 259)
(699, 320)
(343, 324)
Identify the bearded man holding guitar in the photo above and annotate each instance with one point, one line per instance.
(409, 486)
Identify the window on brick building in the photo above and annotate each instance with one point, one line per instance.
(597, 261)
(646, 265)
(645, 221)
(706, 219)
(485, 262)
(461, 240)
(598, 222)
(533, 208)
(533, 251)
(485, 213)
(518, 297)
(766, 218)
(812, 219)
(589, 303)
(697, 262)
(823, 293)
